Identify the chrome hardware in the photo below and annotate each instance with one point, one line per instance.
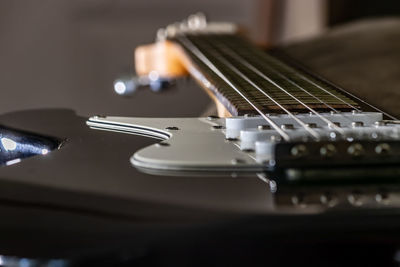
(197, 21)
(299, 151)
(328, 199)
(194, 24)
(328, 150)
(332, 126)
(355, 150)
(264, 127)
(172, 128)
(312, 125)
(218, 127)
(238, 161)
(382, 149)
(287, 127)
(211, 118)
(128, 85)
(162, 144)
(382, 197)
(298, 200)
(380, 123)
(355, 124)
(355, 199)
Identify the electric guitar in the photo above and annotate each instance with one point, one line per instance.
(274, 118)
(287, 148)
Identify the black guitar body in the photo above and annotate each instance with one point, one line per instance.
(84, 203)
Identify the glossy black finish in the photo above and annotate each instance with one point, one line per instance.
(86, 203)
(16, 145)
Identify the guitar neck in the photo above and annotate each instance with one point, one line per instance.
(240, 76)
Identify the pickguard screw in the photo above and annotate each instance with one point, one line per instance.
(162, 144)
(237, 161)
(217, 127)
(211, 118)
(172, 128)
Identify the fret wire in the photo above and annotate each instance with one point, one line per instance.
(359, 99)
(241, 59)
(301, 88)
(202, 57)
(327, 100)
(305, 126)
(258, 72)
(264, 55)
(233, 41)
(291, 81)
(243, 76)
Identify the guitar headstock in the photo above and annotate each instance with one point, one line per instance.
(165, 58)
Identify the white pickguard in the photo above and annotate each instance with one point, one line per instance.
(195, 146)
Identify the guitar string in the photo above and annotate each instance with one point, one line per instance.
(330, 123)
(189, 45)
(359, 99)
(262, 75)
(301, 76)
(293, 83)
(312, 132)
(319, 87)
(264, 55)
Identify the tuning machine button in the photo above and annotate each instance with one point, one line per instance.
(128, 85)
(197, 21)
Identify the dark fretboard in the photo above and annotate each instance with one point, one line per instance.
(281, 85)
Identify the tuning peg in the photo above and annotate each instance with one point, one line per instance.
(197, 21)
(128, 85)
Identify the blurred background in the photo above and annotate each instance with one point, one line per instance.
(67, 53)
